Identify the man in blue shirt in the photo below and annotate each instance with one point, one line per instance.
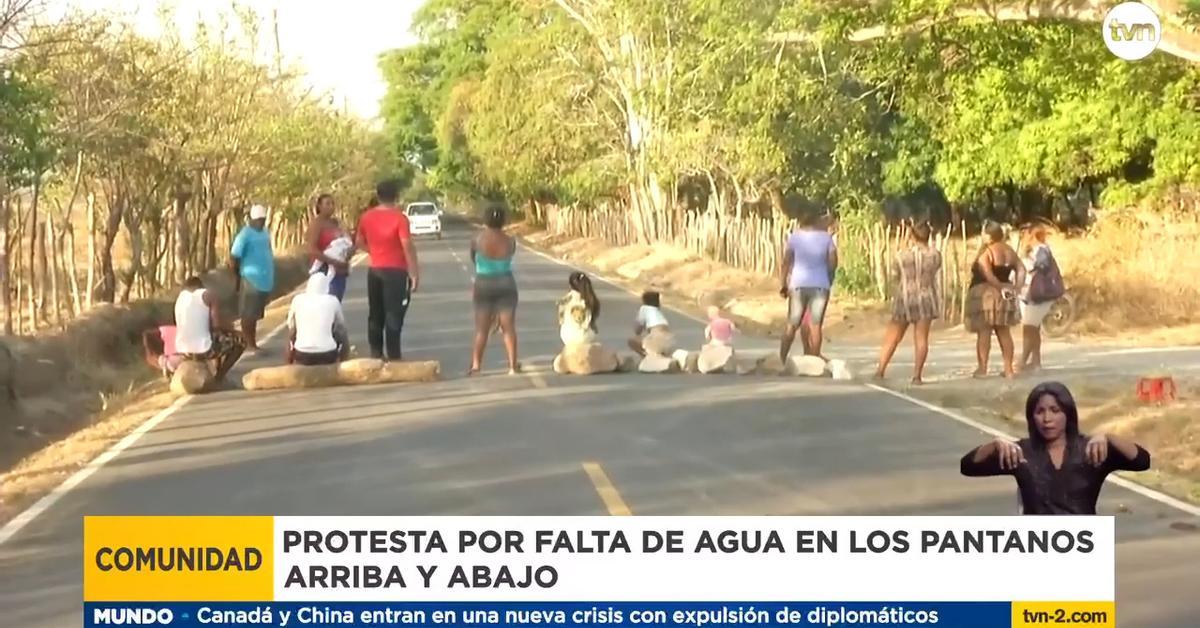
(253, 261)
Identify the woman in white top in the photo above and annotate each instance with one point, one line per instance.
(652, 333)
(316, 324)
(200, 334)
(578, 310)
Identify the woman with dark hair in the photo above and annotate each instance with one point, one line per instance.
(323, 231)
(578, 311)
(1058, 470)
(992, 306)
(495, 288)
(916, 300)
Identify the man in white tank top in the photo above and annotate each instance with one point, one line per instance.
(316, 323)
(199, 334)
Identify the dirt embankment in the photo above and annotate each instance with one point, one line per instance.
(77, 378)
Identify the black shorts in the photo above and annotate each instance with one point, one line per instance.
(495, 293)
(315, 359)
(254, 302)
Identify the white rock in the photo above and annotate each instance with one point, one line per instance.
(681, 356)
(840, 370)
(806, 366)
(716, 359)
(658, 364)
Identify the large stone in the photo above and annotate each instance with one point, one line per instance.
(806, 366)
(191, 378)
(716, 359)
(840, 370)
(746, 367)
(589, 359)
(770, 365)
(693, 363)
(659, 342)
(658, 364)
(348, 373)
(681, 356)
(628, 364)
(560, 365)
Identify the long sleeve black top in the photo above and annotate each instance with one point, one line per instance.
(1072, 489)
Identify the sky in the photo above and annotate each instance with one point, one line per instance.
(336, 41)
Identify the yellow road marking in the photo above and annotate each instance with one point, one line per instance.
(608, 493)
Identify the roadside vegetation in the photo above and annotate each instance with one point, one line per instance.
(705, 124)
(127, 164)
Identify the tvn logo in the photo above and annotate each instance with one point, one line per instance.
(132, 616)
(1132, 31)
(1121, 32)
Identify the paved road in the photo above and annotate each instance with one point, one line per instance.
(504, 445)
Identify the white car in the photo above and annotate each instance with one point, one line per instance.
(424, 219)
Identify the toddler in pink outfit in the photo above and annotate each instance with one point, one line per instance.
(720, 330)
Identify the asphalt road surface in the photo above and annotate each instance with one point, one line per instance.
(542, 444)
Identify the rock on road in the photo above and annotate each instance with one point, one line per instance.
(542, 444)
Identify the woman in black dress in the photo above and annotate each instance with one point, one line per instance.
(1058, 470)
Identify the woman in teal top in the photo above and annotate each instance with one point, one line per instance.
(495, 288)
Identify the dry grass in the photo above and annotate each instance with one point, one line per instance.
(1136, 272)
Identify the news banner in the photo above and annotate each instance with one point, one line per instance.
(950, 572)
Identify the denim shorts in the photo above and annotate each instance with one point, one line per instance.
(811, 301)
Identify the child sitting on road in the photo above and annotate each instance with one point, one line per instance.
(338, 249)
(159, 349)
(652, 332)
(720, 330)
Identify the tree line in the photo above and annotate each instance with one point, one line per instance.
(952, 111)
(127, 162)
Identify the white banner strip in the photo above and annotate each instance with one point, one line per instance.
(448, 559)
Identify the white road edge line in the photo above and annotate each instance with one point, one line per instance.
(1149, 493)
(48, 500)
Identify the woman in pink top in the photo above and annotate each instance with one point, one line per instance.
(720, 330)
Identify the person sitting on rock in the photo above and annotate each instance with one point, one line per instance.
(578, 310)
(159, 350)
(720, 330)
(316, 325)
(652, 333)
(201, 333)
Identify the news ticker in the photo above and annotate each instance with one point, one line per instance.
(272, 571)
(607, 614)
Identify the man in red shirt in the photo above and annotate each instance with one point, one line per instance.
(394, 274)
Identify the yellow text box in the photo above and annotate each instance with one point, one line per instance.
(1041, 614)
(178, 559)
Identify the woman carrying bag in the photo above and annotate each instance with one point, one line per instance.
(1043, 286)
